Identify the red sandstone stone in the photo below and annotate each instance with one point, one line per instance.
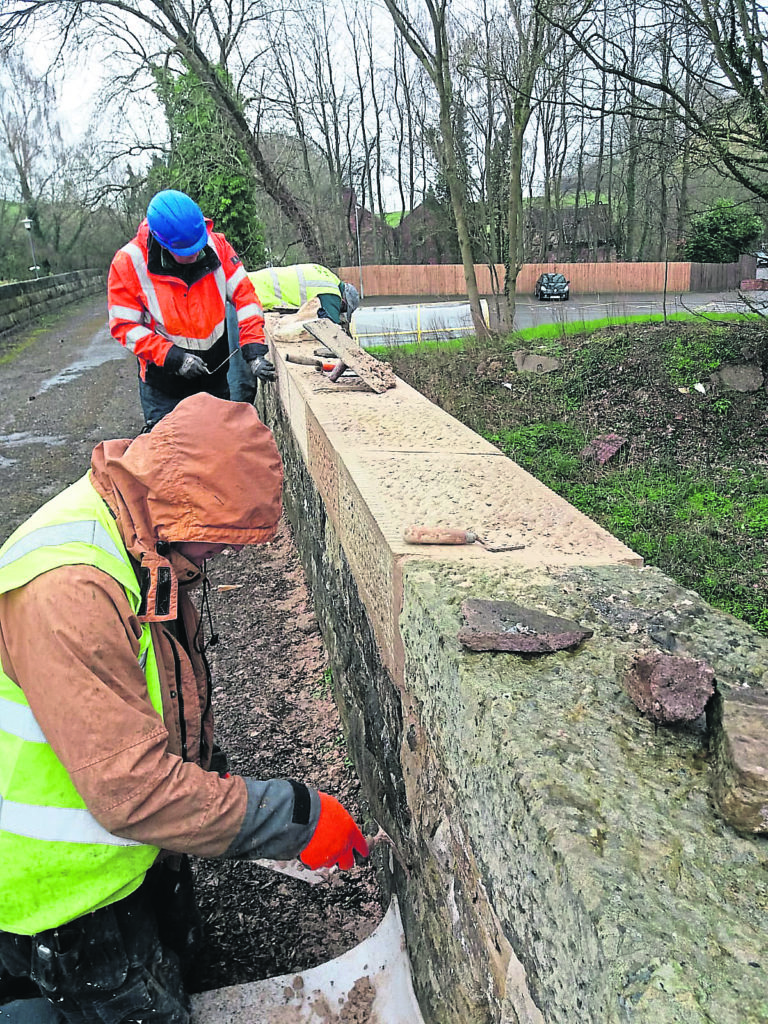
(669, 689)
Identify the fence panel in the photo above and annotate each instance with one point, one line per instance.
(447, 280)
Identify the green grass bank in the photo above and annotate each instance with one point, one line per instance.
(688, 490)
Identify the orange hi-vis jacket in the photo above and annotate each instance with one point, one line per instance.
(160, 310)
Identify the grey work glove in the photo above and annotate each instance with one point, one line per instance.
(262, 369)
(193, 366)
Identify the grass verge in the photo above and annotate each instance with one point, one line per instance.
(689, 488)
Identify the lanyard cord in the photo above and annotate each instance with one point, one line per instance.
(205, 608)
(198, 641)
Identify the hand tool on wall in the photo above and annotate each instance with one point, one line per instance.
(378, 376)
(455, 535)
(307, 361)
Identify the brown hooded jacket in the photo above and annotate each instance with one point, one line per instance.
(208, 472)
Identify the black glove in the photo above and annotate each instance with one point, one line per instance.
(193, 366)
(262, 369)
(219, 762)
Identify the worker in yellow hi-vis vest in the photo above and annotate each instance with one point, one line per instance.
(109, 776)
(286, 289)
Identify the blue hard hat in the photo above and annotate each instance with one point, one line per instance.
(177, 222)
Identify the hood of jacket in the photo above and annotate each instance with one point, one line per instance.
(208, 472)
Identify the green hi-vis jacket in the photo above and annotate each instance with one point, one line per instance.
(56, 861)
(291, 287)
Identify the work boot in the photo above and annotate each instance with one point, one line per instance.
(29, 1011)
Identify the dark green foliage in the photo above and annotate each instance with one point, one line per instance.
(722, 234)
(208, 164)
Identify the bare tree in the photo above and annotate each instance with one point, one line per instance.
(529, 44)
(714, 73)
(435, 59)
(205, 38)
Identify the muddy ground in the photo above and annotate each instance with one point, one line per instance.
(65, 385)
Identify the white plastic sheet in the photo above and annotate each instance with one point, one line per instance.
(400, 325)
(374, 977)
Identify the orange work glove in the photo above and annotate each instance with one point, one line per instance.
(335, 839)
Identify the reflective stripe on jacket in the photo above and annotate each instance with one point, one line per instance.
(150, 312)
(56, 861)
(291, 287)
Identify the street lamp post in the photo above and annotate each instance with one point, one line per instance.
(27, 222)
(359, 256)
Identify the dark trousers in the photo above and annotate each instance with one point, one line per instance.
(242, 383)
(121, 964)
(155, 403)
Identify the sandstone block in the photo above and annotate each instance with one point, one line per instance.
(669, 689)
(603, 447)
(740, 788)
(506, 626)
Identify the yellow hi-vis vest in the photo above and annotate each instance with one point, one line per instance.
(56, 861)
(291, 287)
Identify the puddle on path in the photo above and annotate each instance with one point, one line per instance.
(27, 437)
(101, 349)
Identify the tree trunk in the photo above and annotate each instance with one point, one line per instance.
(448, 153)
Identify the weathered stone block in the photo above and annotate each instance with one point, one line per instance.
(744, 377)
(534, 362)
(669, 689)
(741, 781)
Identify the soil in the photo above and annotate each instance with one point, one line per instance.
(275, 718)
(65, 386)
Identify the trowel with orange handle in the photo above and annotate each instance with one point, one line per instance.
(456, 535)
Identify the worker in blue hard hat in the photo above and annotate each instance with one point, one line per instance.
(167, 290)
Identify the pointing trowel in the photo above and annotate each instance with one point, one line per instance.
(297, 869)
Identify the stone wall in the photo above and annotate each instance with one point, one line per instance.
(568, 860)
(23, 301)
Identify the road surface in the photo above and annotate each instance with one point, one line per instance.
(69, 385)
(395, 320)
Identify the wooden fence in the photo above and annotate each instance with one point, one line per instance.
(586, 278)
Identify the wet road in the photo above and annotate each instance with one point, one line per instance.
(67, 386)
(388, 314)
(530, 312)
